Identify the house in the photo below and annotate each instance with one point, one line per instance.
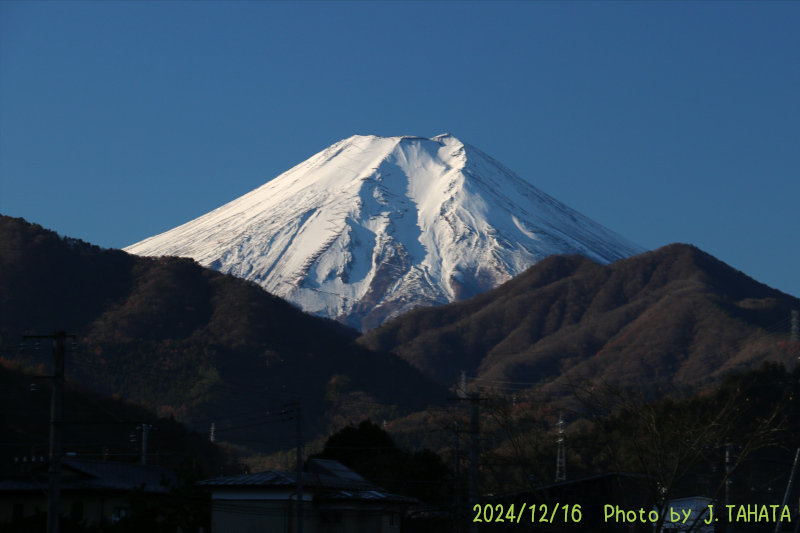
(92, 491)
(335, 500)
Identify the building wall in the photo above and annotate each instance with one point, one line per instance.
(95, 509)
(358, 517)
(29, 506)
(258, 516)
(273, 509)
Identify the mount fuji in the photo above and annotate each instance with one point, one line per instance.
(373, 226)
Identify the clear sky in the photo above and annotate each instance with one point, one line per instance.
(664, 121)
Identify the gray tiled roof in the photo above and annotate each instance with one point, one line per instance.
(276, 478)
(371, 495)
(333, 468)
(341, 482)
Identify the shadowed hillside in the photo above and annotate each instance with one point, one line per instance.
(94, 427)
(191, 342)
(674, 315)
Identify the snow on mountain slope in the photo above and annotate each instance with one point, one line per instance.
(374, 226)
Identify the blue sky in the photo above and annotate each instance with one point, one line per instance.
(664, 121)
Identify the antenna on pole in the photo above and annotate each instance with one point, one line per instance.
(561, 462)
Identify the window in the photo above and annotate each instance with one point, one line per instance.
(394, 520)
(19, 512)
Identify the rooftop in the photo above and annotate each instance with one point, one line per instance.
(88, 474)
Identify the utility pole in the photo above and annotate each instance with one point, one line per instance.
(299, 434)
(474, 430)
(56, 406)
(795, 326)
(457, 473)
(788, 485)
(299, 470)
(729, 527)
(462, 390)
(145, 428)
(561, 462)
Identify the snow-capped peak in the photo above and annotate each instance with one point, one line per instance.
(374, 226)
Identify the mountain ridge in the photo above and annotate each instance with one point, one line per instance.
(198, 344)
(675, 314)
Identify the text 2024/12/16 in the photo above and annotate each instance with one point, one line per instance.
(612, 513)
(538, 513)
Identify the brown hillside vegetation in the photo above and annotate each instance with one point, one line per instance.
(674, 315)
(189, 341)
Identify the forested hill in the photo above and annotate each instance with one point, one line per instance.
(94, 427)
(675, 315)
(189, 341)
